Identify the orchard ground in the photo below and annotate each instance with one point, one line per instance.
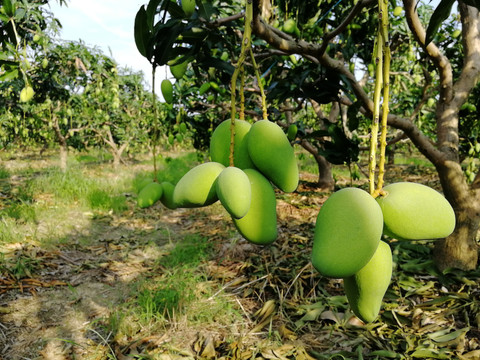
(86, 274)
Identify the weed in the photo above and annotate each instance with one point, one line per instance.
(187, 253)
(23, 211)
(4, 173)
(172, 169)
(163, 301)
(20, 267)
(9, 231)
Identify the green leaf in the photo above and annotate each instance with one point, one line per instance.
(151, 11)
(442, 337)
(141, 32)
(386, 354)
(9, 8)
(9, 75)
(440, 14)
(429, 354)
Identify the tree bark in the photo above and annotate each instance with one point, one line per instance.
(63, 157)
(325, 177)
(62, 141)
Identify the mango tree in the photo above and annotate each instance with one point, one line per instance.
(207, 41)
(332, 54)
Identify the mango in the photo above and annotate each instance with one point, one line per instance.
(234, 191)
(259, 225)
(366, 288)
(167, 196)
(347, 232)
(204, 88)
(272, 154)
(179, 70)
(220, 144)
(188, 7)
(292, 132)
(26, 94)
(197, 187)
(167, 90)
(397, 11)
(149, 195)
(142, 183)
(414, 211)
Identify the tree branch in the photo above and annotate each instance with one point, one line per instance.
(471, 44)
(440, 61)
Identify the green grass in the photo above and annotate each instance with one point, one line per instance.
(4, 173)
(170, 169)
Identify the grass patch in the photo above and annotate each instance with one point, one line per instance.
(188, 253)
(171, 169)
(23, 212)
(100, 199)
(4, 173)
(98, 192)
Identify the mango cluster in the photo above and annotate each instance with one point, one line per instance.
(262, 158)
(348, 232)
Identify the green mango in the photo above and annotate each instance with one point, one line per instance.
(188, 7)
(347, 232)
(220, 144)
(366, 288)
(414, 211)
(204, 88)
(139, 185)
(149, 195)
(259, 225)
(292, 132)
(197, 187)
(167, 90)
(272, 154)
(182, 128)
(289, 26)
(167, 195)
(234, 191)
(179, 70)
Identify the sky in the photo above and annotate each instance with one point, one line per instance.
(108, 25)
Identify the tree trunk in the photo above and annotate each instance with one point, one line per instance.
(62, 141)
(325, 177)
(460, 249)
(63, 156)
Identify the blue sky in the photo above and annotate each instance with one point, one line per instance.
(107, 24)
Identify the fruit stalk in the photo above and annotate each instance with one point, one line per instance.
(246, 43)
(241, 115)
(382, 73)
(155, 130)
(376, 112)
(386, 96)
(260, 85)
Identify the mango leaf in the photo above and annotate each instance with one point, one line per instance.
(141, 32)
(151, 11)
(382, 354)
(430, 354)
(165, 37)
(440, 14)
(9, 8)
(9, 75)
(442, 337)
